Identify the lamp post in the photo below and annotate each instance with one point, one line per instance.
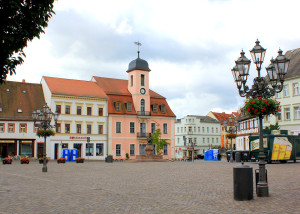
(44, 118)
(276, 72)
(230, 130)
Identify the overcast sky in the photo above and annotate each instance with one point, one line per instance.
(190, 45)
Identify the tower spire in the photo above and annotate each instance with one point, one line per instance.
(138, 44)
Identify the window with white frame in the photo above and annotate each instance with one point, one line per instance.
(2, 127)
(217, 130)
(132, 150)
(207, 140)
(287, 113)
(207, 129)
(203, 140)
(217, 140)
(203, 129)
(165, 125)
(11, 128)
(199, 129)
(153, 128)
(286, 90)
(132, 127)
(296, 88)
(279, 115)
(181, 129)
(177, 129)
(213, 140)
(166, 149)
(297, 112)
(23, 128)
(118, 127)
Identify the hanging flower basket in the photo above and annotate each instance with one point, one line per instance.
(7, 160)
(261, 106)
(231, 136)
(24, 160)
(45, 133)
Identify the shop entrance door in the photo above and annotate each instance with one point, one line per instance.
(56, 151)
(3, 150)
(40, 150)
(78, 147)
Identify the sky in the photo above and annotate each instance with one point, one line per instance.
(190, 46)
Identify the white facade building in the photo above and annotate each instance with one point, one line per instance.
(82, 106)
(203, 131)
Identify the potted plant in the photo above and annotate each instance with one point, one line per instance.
(25, 160)
(45, 133)
(79, 160)
(61, 160)
(127, 156)
(41, 160)
(7, 160)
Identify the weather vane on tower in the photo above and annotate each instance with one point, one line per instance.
(138, 44)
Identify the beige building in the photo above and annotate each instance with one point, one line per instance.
(289, 98)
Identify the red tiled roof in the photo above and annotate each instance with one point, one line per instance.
(223, 116)
(117, 91)
(20, 95)
(74, 87)
(118, 87)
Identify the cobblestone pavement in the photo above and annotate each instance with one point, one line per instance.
(120, 187)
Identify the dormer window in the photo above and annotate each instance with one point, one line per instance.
(128, 106)
(20, 110)
(142, 80)
(154, 107)
(163, 109)
(118, 106)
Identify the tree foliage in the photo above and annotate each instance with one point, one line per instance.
(158, 141)
(20, 21)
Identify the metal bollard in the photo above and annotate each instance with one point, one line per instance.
(243, 182)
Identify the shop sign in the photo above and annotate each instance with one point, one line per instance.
(77, 138)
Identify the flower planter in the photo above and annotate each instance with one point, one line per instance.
(61, 161)
(6, 161)
(79, 160)
(24, 162)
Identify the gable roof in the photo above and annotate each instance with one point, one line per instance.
(20, 95)
(73, 87)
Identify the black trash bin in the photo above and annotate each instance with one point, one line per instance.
(109, 159)
(243, 182)
(238, 157)
(246, 156)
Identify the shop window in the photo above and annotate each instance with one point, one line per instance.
(99, 149)
(89, 151)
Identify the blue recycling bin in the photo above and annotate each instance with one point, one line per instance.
(208, 155)
(73, 154)
(211, 155)
(65, 154)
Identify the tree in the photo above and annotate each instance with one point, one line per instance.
(21, 21)
(158, 141)
(273, 127)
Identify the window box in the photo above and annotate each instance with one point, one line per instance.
(79, 160)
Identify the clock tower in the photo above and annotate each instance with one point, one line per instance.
(138, 84)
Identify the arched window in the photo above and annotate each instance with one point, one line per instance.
(142, 105)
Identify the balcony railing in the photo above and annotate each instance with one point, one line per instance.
(143, 113)
(142, 135)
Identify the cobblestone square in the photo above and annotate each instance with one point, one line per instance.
(122, 187)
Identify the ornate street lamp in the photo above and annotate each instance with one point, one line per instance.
(276, 72)
(44, 117)
(231, 130)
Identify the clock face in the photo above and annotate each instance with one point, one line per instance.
(143, 91)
